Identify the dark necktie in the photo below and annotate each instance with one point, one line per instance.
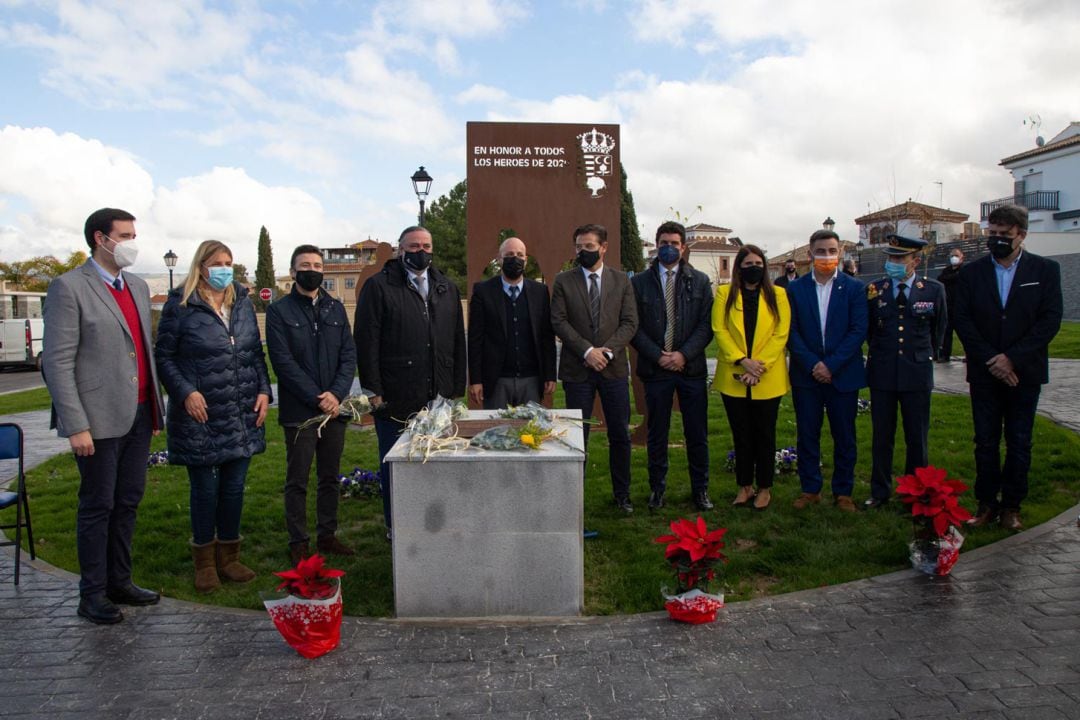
(901, 295)
(594, 300)
(514, 290)
(117, 284)
(669, 305)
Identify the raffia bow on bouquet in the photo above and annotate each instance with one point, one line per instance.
(936, 515)
(693, 551)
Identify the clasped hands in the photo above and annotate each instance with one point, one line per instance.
(754, 370)
(1001, 367)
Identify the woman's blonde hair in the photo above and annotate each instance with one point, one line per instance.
(207, 249)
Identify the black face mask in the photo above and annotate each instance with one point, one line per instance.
(752, 275)
(588, 258)
(417, 261)
(309, 279)
(513, 267)
(789, 270)
(1000, 247)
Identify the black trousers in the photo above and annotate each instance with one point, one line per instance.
(615, 400)
(753, 428)
(915, 415)
(301, 446)
(694, 403)
(112, 485)
(998, 409)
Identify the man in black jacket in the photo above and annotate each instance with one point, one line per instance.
(948, 278)
(410, 341)
(511, 344)
(674, 307)
(312, 351)
(790, 275)
(1008, 309)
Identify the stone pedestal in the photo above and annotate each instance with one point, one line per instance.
(488, 533)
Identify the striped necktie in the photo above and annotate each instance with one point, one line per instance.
(594, 300)
(669, 305)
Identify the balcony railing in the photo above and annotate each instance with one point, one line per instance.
(1039, 200)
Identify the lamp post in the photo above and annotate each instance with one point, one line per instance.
(421, 183)
(829, 224)
(858, 254)
(170, 262)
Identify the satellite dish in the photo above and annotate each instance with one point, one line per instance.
(1040, 141)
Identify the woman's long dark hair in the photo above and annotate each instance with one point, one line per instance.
(737, 284)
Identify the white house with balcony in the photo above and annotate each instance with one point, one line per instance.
(1046, 180)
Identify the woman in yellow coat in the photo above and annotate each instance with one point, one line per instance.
(751, 319)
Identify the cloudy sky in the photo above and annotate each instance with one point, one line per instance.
(209, 119)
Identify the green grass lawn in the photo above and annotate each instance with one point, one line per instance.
(37, 399)
(777, 551)
(1067, 342)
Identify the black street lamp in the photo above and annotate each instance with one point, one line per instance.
(421, 183)
(829, 224)
(170, 262)
(859, 246)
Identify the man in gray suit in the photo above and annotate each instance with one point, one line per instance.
(594, 313)
(100, 373)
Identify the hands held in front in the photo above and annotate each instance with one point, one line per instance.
(672, 361)
(821, 373)
(329, 403)
(596, 360)
(195, 405)
(753, 367)
(1001, 367)
(476, 394)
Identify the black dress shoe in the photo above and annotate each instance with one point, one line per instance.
(702, 501)
(656, 500)
(624, 504)
(132, 594)
(99, 609)
(874, 503)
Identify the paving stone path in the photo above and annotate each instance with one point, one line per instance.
(999, 638)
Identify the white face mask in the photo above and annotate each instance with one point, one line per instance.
(124, 253)
(953, 260)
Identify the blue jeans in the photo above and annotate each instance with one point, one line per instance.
(998, 409)
(217, 499)
(387, 431)
(694, 404)
(615, 400)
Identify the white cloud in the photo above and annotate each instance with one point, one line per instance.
(462, 18)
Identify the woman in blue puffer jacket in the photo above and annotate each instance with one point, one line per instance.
(210, 360)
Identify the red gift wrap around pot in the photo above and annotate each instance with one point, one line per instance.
(311, 627)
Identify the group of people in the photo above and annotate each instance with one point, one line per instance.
(408, 345)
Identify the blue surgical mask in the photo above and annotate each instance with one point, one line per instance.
(668, 254)
(897, 271)
(219, 277)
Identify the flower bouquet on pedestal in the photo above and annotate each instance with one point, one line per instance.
(693, 551)
(308, 614)
(936, 514)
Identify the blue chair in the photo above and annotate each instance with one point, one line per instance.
(11, 448)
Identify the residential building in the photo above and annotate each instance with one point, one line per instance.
(911, 219)
(711, 250)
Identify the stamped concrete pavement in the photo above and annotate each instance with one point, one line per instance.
(998, 639)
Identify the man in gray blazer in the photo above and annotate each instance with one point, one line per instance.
(594, 313)
(100, 373)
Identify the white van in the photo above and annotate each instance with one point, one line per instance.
(20, 342)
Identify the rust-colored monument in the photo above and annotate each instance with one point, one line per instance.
(540, 180)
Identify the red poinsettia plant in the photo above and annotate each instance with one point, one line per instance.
(693, 551)
(934, 499)
(310, 579)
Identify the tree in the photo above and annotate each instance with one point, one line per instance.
(264, 268)
(445, 220)
(240, 273)
(35, 274)
(630, 249)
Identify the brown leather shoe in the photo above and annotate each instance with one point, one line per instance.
(298, 552)
(984, 516)
(845, 503)
(332, 546)
(805, 500)
(1010, 520)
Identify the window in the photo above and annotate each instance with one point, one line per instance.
(724, 264)
(328, 285)
(350, 283)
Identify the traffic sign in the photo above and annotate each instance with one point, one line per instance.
(266, 294)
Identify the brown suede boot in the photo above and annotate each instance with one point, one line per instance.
(228, 562)
(206, 577)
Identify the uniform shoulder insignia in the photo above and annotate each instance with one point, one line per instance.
(872, 291)
(919, 284)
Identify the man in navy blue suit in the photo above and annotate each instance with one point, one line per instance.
(828, 325)
(1008, 309)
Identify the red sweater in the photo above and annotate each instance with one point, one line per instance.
(127, 306)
